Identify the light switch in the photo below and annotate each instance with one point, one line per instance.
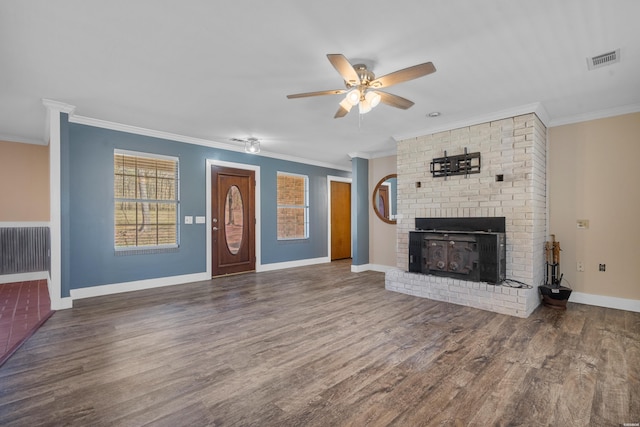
(201, 220)
(582, 223)
(188, 220)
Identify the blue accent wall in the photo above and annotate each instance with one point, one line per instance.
(65, 197)
(88, 256)
(360, 211)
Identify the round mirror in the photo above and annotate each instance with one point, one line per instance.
(385, 198)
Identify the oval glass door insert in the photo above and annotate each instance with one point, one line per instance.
(233, 219)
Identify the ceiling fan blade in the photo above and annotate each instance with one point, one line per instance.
(344, 67)
(403, 75)
(341, 112)
(319, 93)
(395, 100)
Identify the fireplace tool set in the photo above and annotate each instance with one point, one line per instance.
(554, 295)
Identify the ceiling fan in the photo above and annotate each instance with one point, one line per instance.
(362, 86)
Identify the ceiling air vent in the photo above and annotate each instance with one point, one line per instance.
(603, 60)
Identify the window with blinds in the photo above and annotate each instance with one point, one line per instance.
(146, 201)
(293, 206)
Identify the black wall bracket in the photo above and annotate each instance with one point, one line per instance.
(462, 164)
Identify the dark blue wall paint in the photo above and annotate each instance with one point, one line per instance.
(87, 203)
(360, 211)
(65, 246)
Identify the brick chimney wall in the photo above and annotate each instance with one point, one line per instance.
(514, 148)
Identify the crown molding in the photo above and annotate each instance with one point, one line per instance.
(595, 115)
(52, 105)
(20, 140)
(58, 106)
(537, 108)
(104, 124)
(360, 155)
(385, 153)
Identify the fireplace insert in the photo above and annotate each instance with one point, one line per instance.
(472, 249)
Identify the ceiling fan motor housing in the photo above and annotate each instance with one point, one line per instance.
(365, 76)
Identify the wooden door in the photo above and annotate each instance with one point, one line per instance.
(340, 220)
(233, 221)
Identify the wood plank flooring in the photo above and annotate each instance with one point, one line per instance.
(320, 346)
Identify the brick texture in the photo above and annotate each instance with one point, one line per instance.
(291, 206)
(513, 147)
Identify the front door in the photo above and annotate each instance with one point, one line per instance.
(233, 221)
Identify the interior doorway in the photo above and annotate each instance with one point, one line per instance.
(340, 219)
(233, 220)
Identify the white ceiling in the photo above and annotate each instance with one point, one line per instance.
(217, 70)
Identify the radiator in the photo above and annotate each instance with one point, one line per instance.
(24, 249)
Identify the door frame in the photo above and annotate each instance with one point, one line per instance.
(339, 179)
(256, 169)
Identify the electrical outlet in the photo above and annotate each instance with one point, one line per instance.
(602, 267)
(580, 266)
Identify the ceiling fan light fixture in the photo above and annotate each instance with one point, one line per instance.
(361, 85)
(346, 104)
(373, 98)
(364, 106)
(252, 146)
(353, 97)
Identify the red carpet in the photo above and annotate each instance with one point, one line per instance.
(24, 307)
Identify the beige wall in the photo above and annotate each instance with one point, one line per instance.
(593, 172)
(24, 182)
(382, 236)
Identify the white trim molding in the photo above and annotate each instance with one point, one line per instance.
(138, 285)
(605, 301)
(595, 115)
(24, 277)
(196, 141)
(136, 130)
(536, 108)
(371, 267)
(52, 136)
(23, 224)
(292, 264)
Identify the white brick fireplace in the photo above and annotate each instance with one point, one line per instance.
(514, 148)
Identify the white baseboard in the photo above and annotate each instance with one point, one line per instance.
(24, 277)
(138, 285)
(291, 264)
(605, 301)
(61, 303)
(371, 267)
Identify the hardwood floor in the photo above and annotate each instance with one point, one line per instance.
(320, 346)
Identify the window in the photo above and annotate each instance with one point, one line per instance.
(293, 206)
(146, 201)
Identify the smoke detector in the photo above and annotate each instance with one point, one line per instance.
(603, 60)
